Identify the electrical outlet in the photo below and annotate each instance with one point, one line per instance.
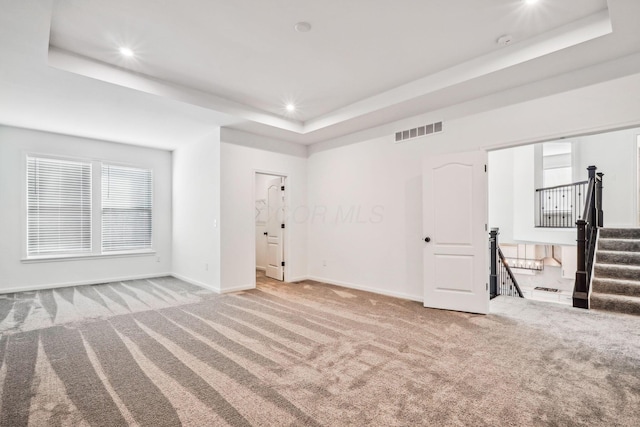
(158, 259)
(206, 267)
(324, 262)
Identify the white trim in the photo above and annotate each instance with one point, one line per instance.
(298, 279)
(400, 295)
(286, 241)
(261, 268)
(57, 258)
(195, 282)
(82, 283)
(636, 155)
(237, 289)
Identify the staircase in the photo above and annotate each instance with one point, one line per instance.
(616, 276)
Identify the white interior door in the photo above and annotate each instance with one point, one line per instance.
(456, 273)
(275, 230)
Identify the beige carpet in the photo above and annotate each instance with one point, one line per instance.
(163, 353)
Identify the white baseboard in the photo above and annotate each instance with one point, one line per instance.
(297, 279)
(80, 283)
(237, 289)
(368, 289)
(195, 282)
(261, 268)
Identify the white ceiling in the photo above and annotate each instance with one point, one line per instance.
(200, 64)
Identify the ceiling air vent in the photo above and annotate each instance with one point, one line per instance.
(419, 132)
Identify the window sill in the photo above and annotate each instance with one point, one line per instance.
(76, 257)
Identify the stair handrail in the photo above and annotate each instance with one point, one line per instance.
(588, 227)
(499, 268)
(510, 273)
(560, 205)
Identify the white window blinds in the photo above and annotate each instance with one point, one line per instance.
(126, 208)
(58, 206)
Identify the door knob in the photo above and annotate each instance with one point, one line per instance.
(266, 234)
(427, 239)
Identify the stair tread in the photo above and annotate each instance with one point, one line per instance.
(620, 233)
(616, 297)
(611, 280)
(619, 266)
(614, 252)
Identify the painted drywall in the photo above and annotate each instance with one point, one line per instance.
(15, 143)
(365, 230)
(501, 190)
(196, 212)
(368, 170)
(614, 154)
(239, 163)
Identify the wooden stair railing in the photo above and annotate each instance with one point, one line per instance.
(502, 281)
(588, 226)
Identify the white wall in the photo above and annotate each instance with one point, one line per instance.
(387, 257)
(239, 163)
(196, 212)
(18, 275)
(614, 153)
(501, 192)
(366, 231)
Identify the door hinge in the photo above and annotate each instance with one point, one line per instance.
(485, 168)
(281, 225)
(282, 188)
(486, 227)
(487, 286)
(283, 263)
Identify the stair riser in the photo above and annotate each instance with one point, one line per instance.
(608, 287)
(624, 258)
(620, 233)
(608, 272)
(619, 245)
(629, 307)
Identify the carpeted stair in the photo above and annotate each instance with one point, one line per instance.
(616, 278)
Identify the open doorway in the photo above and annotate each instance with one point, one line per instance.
(270, 225)
(537, 192)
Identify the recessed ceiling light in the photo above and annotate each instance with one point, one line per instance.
(125, 51)
(302, 27)
(531, 1)
(290, 108)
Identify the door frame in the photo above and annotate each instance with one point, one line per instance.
(637, 192)
(286, 241)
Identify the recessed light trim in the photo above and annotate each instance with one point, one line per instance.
(290, 108)
(126, 51)
(530, 2)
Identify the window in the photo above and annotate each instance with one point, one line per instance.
(126, 208)
(556, 164)
(87, 208)
(58, 206)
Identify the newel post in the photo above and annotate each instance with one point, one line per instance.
(591, 215)
(493, 277)
(599, 210)
(580, 291)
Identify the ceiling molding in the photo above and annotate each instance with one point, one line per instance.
(68, 61)
(589, 28)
